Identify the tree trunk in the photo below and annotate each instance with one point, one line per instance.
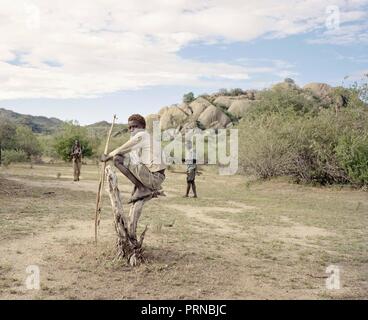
(127, 245)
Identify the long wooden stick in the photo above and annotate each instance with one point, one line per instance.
(101, 183)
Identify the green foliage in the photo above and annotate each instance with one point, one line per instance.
(10, 156)
(47, 146)
(352, 153)
(236, 92)
(188, 97)
(18, 143)
(230, 92)
(26, 140)
(66, 137)
(7, 134)
(223, 92)
(323, 148)
(285, 101)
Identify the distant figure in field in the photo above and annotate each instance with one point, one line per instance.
(191, 174)
(135, 160)
(191, 170)
(76, 154)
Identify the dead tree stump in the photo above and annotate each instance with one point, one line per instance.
(127, 245)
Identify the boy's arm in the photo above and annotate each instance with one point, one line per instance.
(125, 148)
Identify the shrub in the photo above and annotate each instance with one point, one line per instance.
(11, 156)
(26, 140)
(352, 153)
(188, 97)
(321, 149)
(285, 101)
(223, 92)
(7, 134)
(236, 92)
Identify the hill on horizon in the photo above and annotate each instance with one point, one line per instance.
(45, 125)
(38, 124)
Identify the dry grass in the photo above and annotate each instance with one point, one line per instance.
(240, 240)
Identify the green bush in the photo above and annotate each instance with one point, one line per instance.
(322, 148)
(26, 140)
(264, 148)
(7, 134)
(66, 137)
(236, 92)
(188, 97)
(11, 156)
(285, 101)
(352, 153)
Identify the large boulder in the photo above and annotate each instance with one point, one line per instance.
(224, 101)
(251, 94)
(321, 90)
(163, 110)
(198, 106)
(213, 114)
(173, 116)
(150, 119)
(239, 107)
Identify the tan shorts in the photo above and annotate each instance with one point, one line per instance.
(152, 180)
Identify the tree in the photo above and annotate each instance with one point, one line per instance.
(7, 133)
(26, 140)
(188, 97)
(223, 92)
(66, 137)
(289, 80)
(236, 92)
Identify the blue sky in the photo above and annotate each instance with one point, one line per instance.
(94, 65)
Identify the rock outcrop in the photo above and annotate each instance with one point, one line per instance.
(222, 110)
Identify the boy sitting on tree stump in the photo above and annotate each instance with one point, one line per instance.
(135, 160)
(144, 167)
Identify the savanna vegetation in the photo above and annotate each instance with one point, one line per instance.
(288, 133)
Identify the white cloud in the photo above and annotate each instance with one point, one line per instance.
(68, 49)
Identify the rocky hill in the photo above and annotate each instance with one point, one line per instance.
(224, 109)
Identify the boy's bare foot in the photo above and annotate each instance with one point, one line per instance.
(140, 194)
(185, 196)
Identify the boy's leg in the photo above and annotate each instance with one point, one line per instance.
(194, 188)
(75, 170)
(141, 190)
(188, 189)
(79, 166)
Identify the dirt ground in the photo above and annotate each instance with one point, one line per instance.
(239, 240)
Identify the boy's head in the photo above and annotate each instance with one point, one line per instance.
(136, 121)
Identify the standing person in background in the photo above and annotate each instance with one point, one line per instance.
(191, 169)
(76, 154)
(191, 174)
